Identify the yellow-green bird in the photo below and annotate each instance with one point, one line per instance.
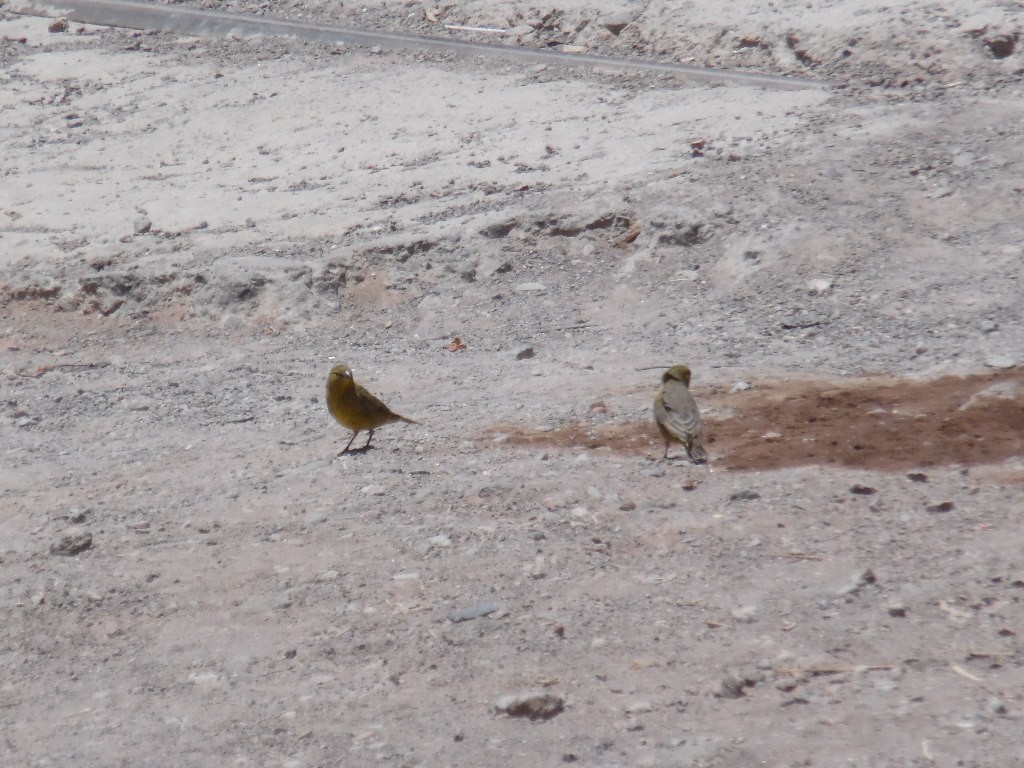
(355, 408)
(676, 414)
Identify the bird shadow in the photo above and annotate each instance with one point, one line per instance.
(356, 451)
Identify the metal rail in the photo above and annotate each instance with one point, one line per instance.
(184, 20)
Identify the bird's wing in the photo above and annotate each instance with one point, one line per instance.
(373, 407)
(660, 413)
(681, 416)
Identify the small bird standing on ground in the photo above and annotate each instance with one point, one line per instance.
(355, 408)
(676, 414)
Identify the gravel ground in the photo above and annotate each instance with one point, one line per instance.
(193, 231)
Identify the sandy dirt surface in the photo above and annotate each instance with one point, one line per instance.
(193, 231)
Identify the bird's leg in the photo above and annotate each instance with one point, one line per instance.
(351, 439)
(665, 454)
(368, 439)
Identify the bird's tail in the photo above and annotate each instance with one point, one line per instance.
(406, 420)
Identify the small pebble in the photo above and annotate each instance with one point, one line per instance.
(746, 495)
(745, 614)
(534, 705)
(639, 708)
(997, 706)
(78, 515)
(1001, 46)
(473, 612)
(616, 22)
(863, 579)
(897, 610)
(74, 541)
(863, 490)
(732, 686)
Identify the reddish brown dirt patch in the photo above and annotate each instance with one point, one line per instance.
(878, 424)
